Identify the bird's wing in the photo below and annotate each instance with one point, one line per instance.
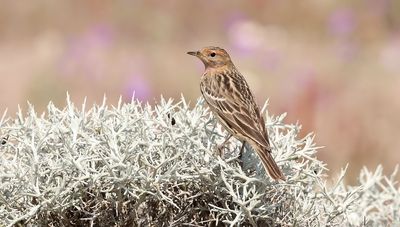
(235, 105)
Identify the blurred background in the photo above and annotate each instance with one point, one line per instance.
(334, 66)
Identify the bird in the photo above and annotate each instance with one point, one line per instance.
(231, 101)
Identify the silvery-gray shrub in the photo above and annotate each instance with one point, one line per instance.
(139, 165)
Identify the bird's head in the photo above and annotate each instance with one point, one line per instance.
(213, 57)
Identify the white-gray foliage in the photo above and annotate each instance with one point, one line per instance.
(141, 165)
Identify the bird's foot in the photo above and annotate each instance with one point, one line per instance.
(220, 150)
(239, 157)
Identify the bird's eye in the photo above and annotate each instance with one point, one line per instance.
(212, 54)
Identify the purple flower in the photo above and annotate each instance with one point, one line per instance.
(342, 22)
(233, 19)
(243, 34)
(139, 87)
(85, 54)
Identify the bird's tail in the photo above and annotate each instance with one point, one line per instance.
(269, 164)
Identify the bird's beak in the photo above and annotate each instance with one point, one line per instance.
(194, 53)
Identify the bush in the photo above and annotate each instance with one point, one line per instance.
(138, 165)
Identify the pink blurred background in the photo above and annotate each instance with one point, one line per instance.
(334, 66)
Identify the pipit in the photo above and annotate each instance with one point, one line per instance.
(232, 103)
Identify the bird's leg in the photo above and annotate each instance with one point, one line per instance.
(222, 145)
(241, 149)
(240, 153)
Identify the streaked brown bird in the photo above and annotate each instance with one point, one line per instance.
(232, 102)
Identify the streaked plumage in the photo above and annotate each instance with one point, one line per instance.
(232, 102)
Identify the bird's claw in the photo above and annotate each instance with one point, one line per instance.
(220, 150)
